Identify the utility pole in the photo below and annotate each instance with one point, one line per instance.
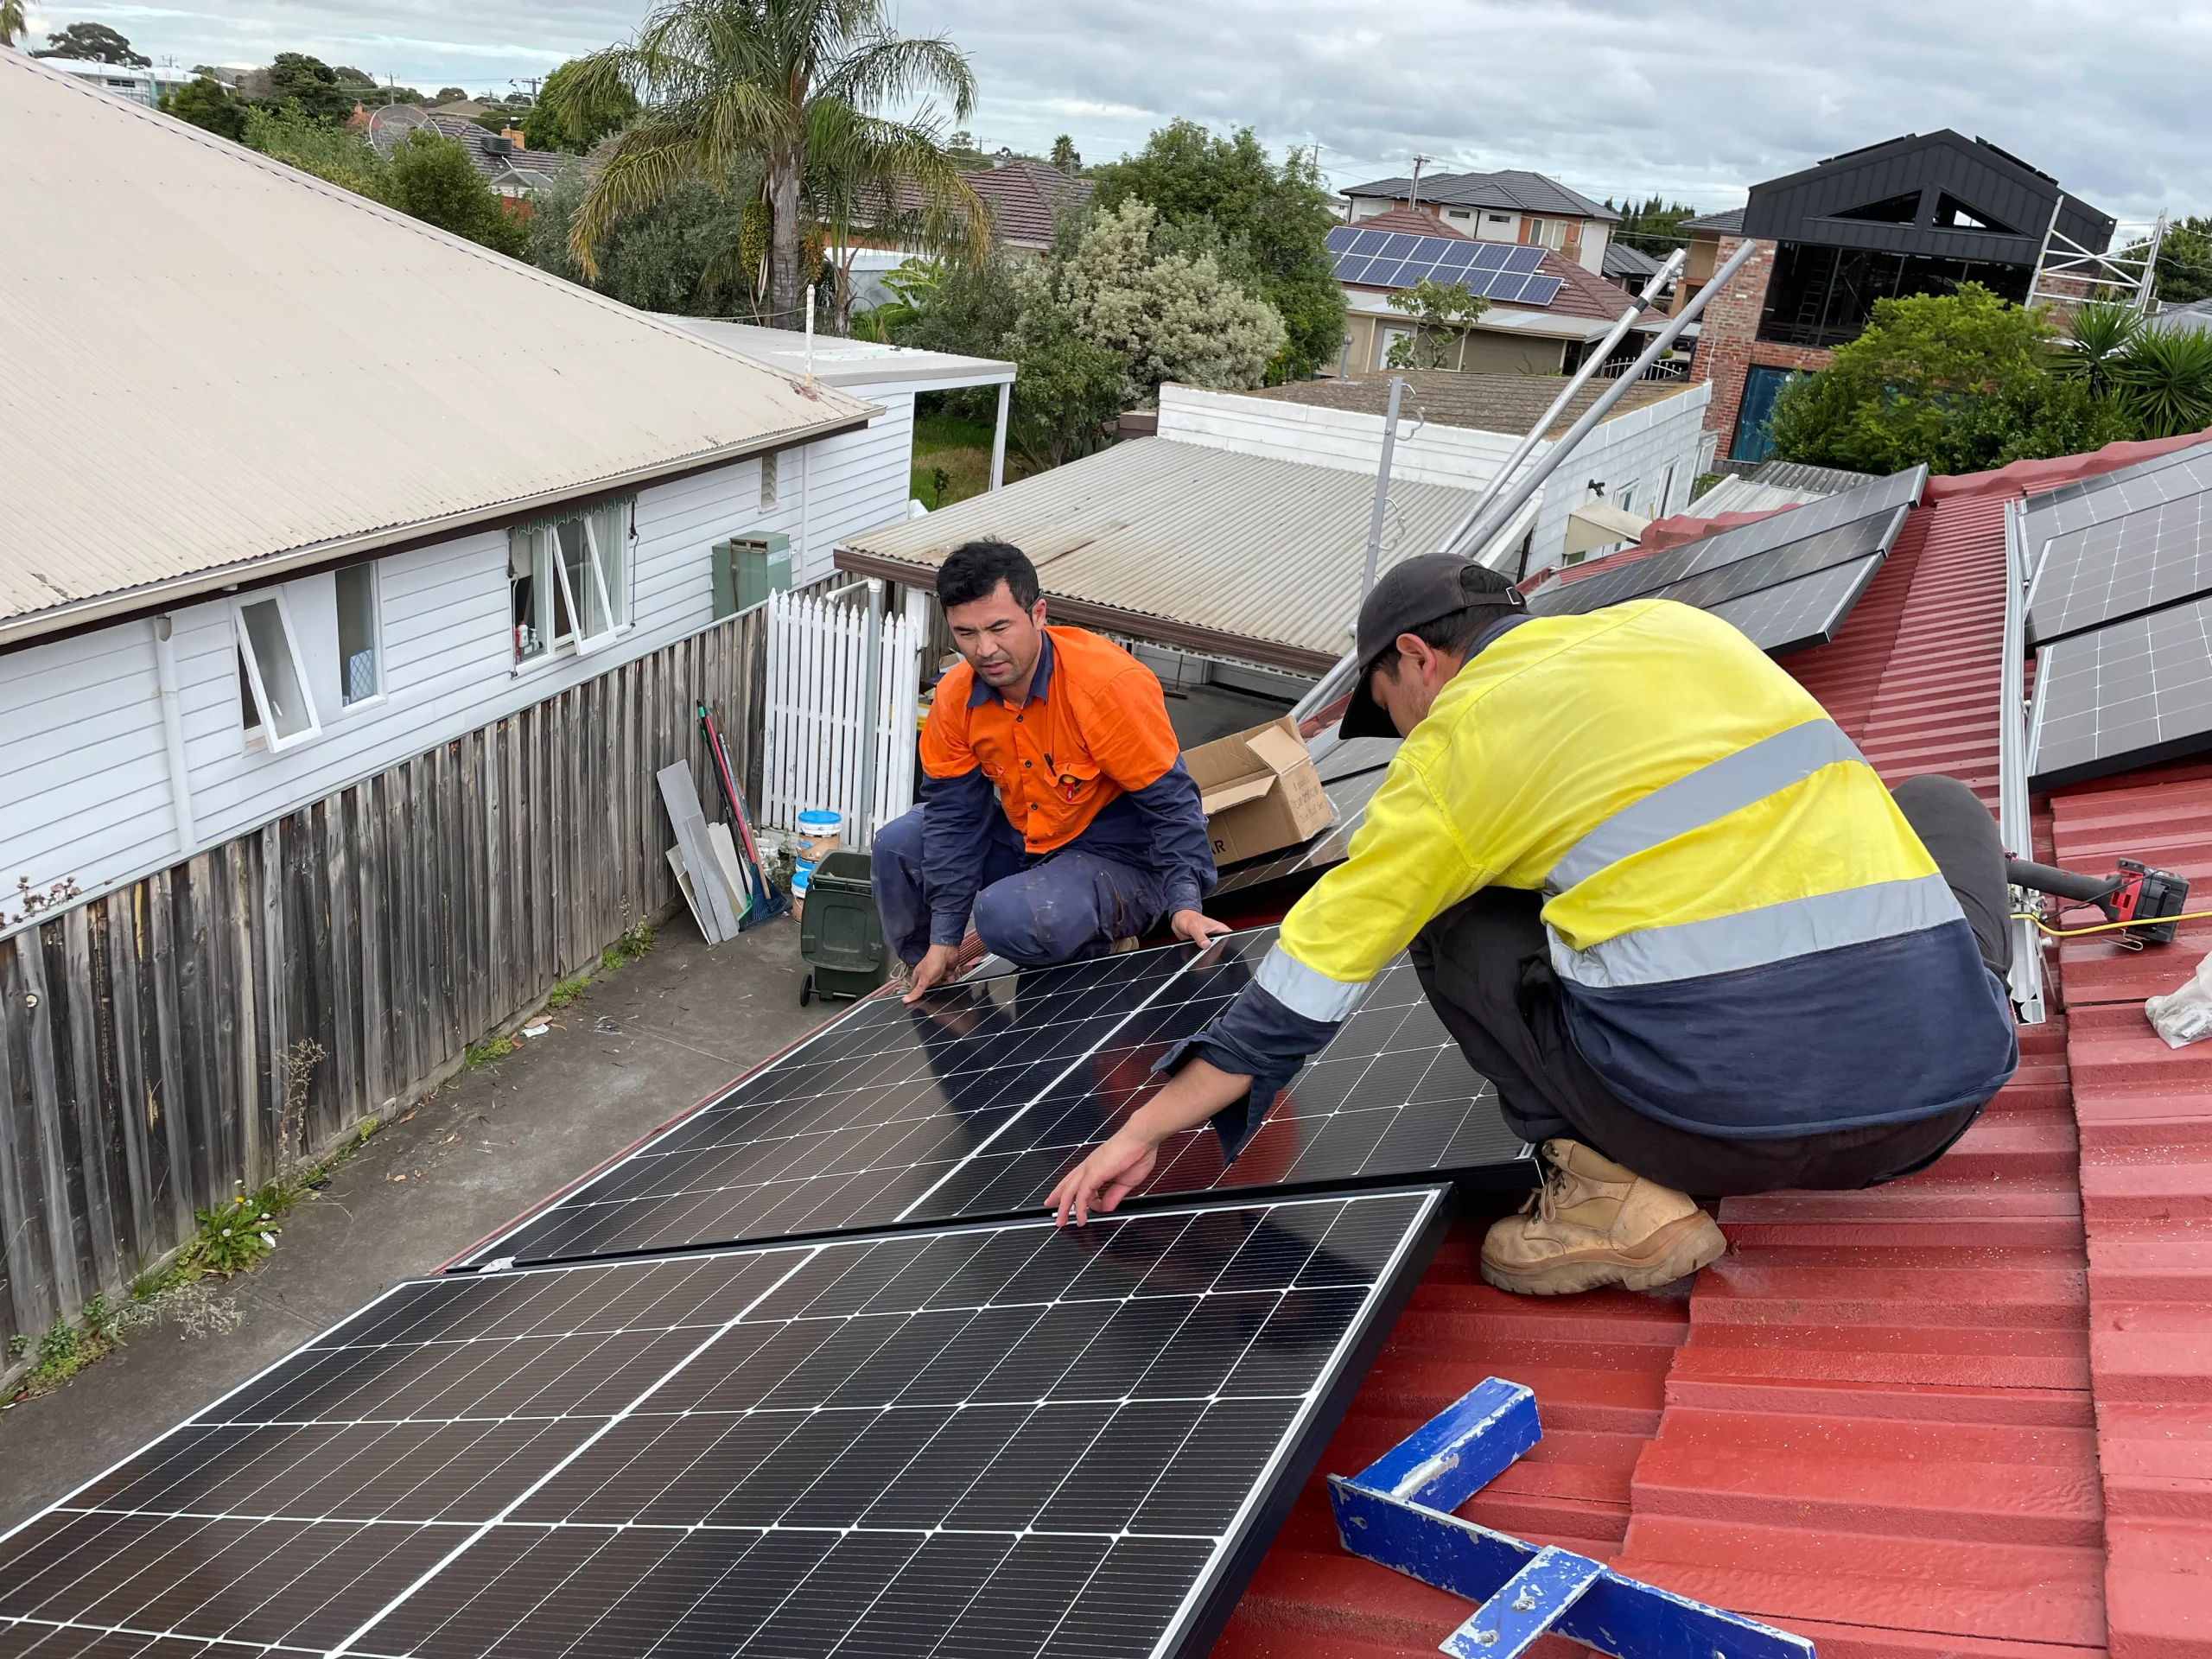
(1419, 161)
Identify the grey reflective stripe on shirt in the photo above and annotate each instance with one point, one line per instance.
(1752, 938)
(1697, 799)
(1301, 990)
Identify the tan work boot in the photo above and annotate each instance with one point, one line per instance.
(1593, 1222)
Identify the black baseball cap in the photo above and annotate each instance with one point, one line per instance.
(1409, 595)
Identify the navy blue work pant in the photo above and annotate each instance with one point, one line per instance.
(1034, 910)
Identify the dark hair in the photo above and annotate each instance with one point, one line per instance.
(1454, 632)
(974, 570)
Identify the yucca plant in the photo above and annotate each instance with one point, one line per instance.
(2098, 336)
(790, 86)
(2164, 381)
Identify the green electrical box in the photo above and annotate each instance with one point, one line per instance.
(748, 569)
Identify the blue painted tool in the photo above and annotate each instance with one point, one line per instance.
(1397, 1511)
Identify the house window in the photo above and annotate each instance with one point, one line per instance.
(1501, 218)
(273, 687)
(360, 674)
(1548, 233)
(1458, 212)
(569, 581)
(768, 480)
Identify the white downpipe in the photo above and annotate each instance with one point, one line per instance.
(998, 435)
(187, 836)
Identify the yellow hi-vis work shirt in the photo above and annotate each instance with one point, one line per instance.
(1750, 939)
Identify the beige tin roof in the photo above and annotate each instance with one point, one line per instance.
(213, 368)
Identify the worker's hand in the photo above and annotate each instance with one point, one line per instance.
(1199, 928)
(936, 965)
(1116, 1168)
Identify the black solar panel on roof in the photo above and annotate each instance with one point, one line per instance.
(1496, 270)
(1000, 1441)
(2145, 542)
(1348, 796)
(2124, 490)
(1721, 572)
(899, 1114)
(2125, 694)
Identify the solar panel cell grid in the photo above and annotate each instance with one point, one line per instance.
(1002, 1440)
(2122, 696)
(1795, 615)
(2126, 565)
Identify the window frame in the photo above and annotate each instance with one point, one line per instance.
(269, 738)
(607, 569)
(368, 568)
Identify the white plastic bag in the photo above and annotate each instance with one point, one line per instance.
(2187, 1014)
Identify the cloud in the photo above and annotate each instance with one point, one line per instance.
(1694, 101)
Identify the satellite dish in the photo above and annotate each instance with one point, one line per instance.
(389, 126)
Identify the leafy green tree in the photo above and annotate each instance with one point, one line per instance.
(1171, 316)
(451, 95)
(661, 259)
(1442, 313)
(1906, 390)
(206, 102)
(2185, 261)
(2164, 381)
(432, 179)
(732, 82)
(558, 121)
(1280, 212)
(1065, 156)
(92, 44)
(296, 78)
(337, 155)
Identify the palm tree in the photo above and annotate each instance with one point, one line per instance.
(12, 23)
(790, 85)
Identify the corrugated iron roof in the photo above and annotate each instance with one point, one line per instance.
(844, 362)
(218, 366)
(1242, 548)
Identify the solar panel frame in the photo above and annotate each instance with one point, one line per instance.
(2124, 490)
(1800, 614)
(1134, 1405)
(2129, 694)
(2156, 553)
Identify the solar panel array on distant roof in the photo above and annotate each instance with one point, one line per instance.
(1000, 1441)
(1493, 270)
(977, 1100)
(2145, 542)
(1787, 581)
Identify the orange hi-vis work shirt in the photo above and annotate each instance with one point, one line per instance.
(1095, 728)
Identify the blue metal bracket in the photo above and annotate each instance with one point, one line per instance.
(1397, 1511)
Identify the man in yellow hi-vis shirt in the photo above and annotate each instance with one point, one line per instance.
(1661, 903)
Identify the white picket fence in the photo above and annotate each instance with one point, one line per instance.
(817, 728)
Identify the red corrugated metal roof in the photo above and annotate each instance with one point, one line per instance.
(1934, 1417)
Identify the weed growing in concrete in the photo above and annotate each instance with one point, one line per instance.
(491, 1049)
(566, 992)
(636, 940)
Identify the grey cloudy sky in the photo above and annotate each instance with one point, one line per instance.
(1695, 101)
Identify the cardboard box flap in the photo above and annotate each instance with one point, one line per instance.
(1236, 793)
(1275, 748)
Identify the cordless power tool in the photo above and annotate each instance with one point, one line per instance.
(2144, 900)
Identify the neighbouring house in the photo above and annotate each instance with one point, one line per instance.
(334, 673)
(1545, 310)
(1918, 215)
(1239, 535)
(1025, 199)
(148, 85)
(1514, 205)
(1628, 268)
(506, 163)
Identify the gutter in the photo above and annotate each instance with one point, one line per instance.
(1090, 613)
(263, 570)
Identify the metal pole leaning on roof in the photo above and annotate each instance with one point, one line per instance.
(1382, 488)
(1591, 365)
(1471, 538)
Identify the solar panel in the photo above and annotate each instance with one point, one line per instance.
(2114, 494)
(934, 1112)
(2127, 563)
(1348, 796)
(1798, 615)
(2123, 696)
(1493, 270)
(999, 1440)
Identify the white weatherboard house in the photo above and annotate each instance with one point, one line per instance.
(354, 580)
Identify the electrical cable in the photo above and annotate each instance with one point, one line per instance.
(2107, 927)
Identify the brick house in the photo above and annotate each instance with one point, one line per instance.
(1919, 215)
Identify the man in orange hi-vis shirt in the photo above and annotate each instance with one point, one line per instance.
(1059, 812)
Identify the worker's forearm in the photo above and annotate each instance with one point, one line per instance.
(1192, 1094)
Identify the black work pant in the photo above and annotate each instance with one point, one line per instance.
(1487, 970)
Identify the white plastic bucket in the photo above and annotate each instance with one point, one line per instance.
(801, 874)
(818, 835)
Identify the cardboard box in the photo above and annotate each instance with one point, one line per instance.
(1259, 790)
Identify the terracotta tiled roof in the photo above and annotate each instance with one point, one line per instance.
(1417, 221)
(1968, 1413)
(1023, 198)
(1581, 294)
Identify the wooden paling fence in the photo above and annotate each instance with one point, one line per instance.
(148, 1037)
